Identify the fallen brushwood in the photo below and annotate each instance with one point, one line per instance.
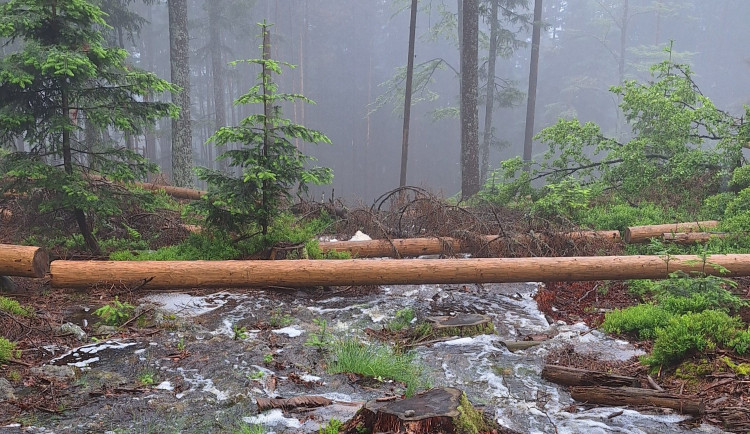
(568, 376)
(638, 397)
(304, 272)
(438, 246)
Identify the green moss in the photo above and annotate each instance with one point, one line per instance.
(692, 371)
(739, 369)
(644, 319)
(470, 421)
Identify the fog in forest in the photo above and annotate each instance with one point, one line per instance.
(347, 54)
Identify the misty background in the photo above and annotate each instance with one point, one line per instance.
(347, 54)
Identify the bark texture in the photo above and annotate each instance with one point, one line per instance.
(182, 143)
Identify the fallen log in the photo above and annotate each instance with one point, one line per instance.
(692, 237)
(292, 403)
(435, 246)
(175, 192)
(24, 261)
(640, 234)
(568, 376)
(637, 396)
(305, 272)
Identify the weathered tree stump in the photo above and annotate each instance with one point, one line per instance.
(444, 410)
(463, 324)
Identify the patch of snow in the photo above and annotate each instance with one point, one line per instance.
(291, 331)
(360, 236)
(165, 385)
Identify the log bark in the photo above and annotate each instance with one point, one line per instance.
(640, 234)
(24, 261)
(304, 272)
(691, 237)
(637, 396)
(434, 246)
(568, 376)
(292, 403)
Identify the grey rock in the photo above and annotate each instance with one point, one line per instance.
(63, 372)
(75, 330)
(6, 390)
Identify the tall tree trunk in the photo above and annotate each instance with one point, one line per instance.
(217, 71)
(182, 146)
(267, 112)
(623, 42)
(469, 99)
(407, 94)
(149, 137)
(536, 37)
(490, 103)
(80, 216)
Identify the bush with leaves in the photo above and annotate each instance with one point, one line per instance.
(679, 137)
(271, 165)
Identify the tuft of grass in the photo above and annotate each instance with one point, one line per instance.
(332, 427)
(375, 361)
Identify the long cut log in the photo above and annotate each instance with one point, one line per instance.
(305, 272)
(435, 246)
(640, 234)
(24, 261)
(637, 396)
(568, 376)
(176, 192)
(692, 237)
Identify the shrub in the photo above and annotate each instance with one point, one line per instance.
(643, 319)
(7, 350)
(12, 306)
(692, 332)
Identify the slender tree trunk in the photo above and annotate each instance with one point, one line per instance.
(469, 99)
(407, 94)
(182, 146)
(267, 112)
(80, 216)
(623, 42)
(536, 37)
(490, 103)
(217, 71)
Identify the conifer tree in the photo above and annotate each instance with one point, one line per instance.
(272, 166)
(64, 69)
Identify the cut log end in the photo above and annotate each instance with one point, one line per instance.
(23, 261)
(444, 410)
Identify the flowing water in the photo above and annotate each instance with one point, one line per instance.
(212, 360)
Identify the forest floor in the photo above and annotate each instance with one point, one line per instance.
(34, 392)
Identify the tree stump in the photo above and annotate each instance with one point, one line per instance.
(463, 324)
(444, 410)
